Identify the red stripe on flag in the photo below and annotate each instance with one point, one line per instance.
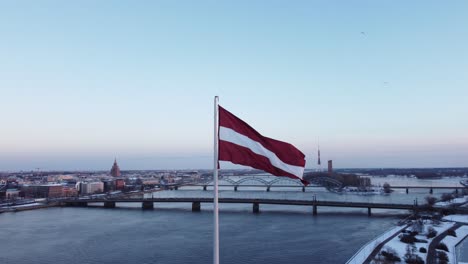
(244, 156)
(285, 151)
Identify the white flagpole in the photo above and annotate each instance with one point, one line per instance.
(215, 186)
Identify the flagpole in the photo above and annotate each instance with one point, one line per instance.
(215, 186)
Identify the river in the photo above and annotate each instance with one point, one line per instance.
(171, 233)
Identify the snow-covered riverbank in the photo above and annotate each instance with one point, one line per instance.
(416, 241)
(367, 249)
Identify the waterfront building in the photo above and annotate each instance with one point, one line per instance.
(150, 183)
(119, 184)
(330, 167)
(115, 170)
(109, 185)
(69, 191)
(91, 187)
(43, 190)
(12, 193)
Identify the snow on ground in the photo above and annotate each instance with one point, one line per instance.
(456, 218)
(367, 249)
(400, 247)
(26, 205)
(451, 241)
(460, 200)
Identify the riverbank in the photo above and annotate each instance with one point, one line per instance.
(27, 207)
(368, 249)
(426, 241)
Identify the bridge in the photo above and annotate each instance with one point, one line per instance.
(276, 182)
(288, 182)
(314, 183)
(148, 203)
(431, 188)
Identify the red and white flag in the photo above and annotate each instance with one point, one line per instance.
(239, 143)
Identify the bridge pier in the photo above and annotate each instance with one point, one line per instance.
(456, 190)
(431, 190)
(303, 188)
(369, 213)
(176, 188)
(78, 204)
(314, 210)
(407, 190)
(268, 188)
(256, 208)
(109, 204)
(196, 207)
(235, 188)
(147, 205)
(204, 187)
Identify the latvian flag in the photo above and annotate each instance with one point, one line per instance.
(239, 143)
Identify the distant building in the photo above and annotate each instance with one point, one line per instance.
(330, 167)
(91, 187)
(119, 184)
(69, 191)
(43, 190)
(109, 185)
(12, 193)
(115, 170)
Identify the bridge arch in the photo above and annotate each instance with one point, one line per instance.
(285, 179)
(322, 181)
(260, 180)
(210, 182)
(326, 182)
(231, 181)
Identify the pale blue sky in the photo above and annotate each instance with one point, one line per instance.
(381, 83)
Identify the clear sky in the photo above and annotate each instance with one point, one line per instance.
(379, 83)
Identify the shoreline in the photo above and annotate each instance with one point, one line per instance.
(27, 208)
(368, 252)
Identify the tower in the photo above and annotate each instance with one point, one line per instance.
(330, 167)
(319, 163)
(115, 170)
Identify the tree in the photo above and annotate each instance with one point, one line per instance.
(442, 246)
(390, 255)
(431, 200)
(411, 257)
(446, 197)
(451, 232)
(431, 232)
(442, 256)
(386, 188)
(408, 239)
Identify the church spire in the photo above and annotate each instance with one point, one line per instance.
(115, 170)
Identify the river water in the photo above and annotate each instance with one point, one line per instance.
(171, 233)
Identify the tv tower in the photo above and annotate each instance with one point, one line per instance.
(319, 164)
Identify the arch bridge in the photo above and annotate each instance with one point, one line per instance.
(276, 182)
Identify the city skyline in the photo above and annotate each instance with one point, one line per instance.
(376, 84)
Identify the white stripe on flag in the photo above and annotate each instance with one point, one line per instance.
(232, 136)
